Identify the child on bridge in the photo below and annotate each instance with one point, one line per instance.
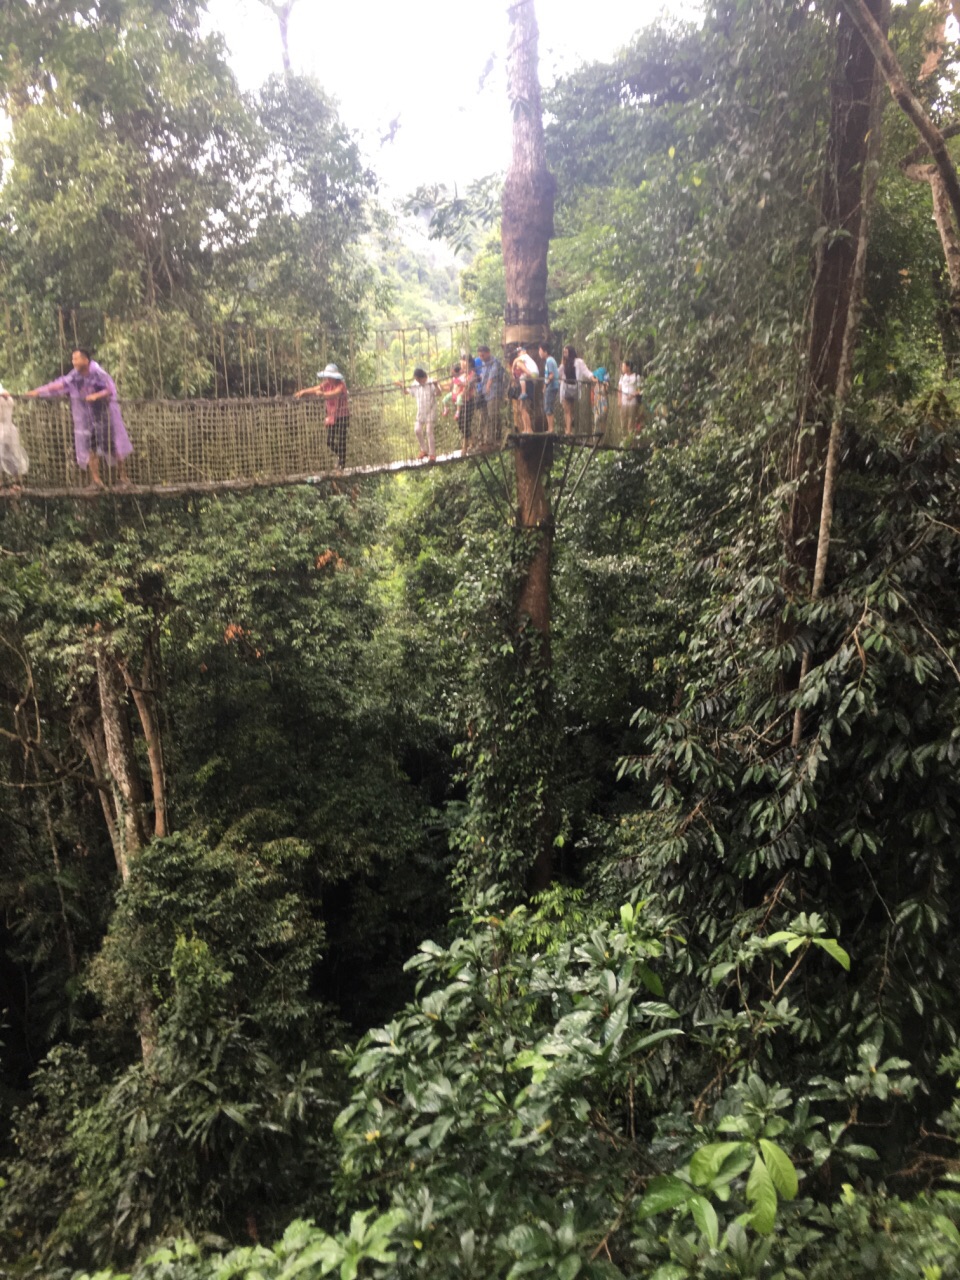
(426, 393)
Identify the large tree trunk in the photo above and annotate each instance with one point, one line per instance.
(121, 759)
(528, 192)
(948, 317)
(534, 456)
(836, 288)
(89, 731)
(526, 230)
(844, 379)
(948, 312)
(144, 694)
(130, 825)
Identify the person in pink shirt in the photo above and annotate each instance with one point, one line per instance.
(333, 388)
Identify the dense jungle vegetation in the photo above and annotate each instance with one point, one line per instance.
(278, 1002)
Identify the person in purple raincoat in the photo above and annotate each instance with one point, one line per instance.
(98, 428)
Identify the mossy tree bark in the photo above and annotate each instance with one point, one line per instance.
(526, 230)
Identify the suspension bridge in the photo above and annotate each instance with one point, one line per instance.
(210, 446)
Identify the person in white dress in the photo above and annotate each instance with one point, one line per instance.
(13, 459)
(629, 389)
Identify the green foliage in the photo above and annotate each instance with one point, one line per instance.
(148, 188)
(483, 1106)
(461, 220)
(313, 193)
(211, 953)
(674, 163)
(244, 906)
(484, 293)
(712, 1048)
(741, 828)
(293, 731)
(422, 282)
(522, 1076)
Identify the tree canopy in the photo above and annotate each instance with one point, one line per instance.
(278, 770)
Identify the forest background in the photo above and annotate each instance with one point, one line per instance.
(276, 769)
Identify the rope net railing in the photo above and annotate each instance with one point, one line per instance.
(209, 445)
(161, 355)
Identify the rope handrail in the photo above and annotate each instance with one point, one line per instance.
(183, 446)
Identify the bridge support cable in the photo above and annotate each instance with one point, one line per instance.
(490, 480)
(590, 454)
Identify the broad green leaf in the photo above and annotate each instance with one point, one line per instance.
(833, 948)
(860, 1151)
(654, 1038)
(439, 1130)
(616, 1024)
(663, 1194)
(416, 1136)
(569, 1266)
(358, 1224)
(781, 1170)
(763, 1196)
(656, 1009)
(326, 1254)
(650, 979)
(948, 1228)
(705, 1216)
(734, 1124)
(707, 1162)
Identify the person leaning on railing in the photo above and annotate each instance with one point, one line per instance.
(490, 387)
(332, 386)
(573, 371)
(98, 427)
(551, 385)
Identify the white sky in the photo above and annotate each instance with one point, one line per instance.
(424, 66)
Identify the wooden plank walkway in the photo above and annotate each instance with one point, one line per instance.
(91, 492)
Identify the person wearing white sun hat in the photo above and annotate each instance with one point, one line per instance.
(333, 388)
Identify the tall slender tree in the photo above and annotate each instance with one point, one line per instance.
(526, 230)
(848, 185)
